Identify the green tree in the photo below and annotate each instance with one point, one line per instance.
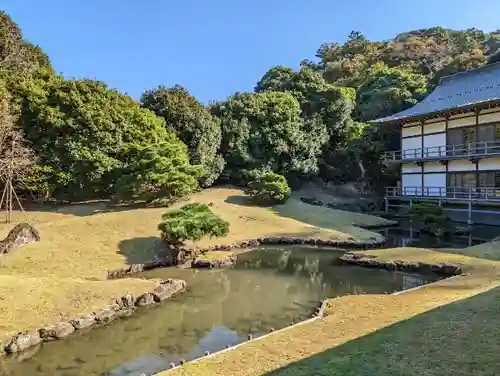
(389, 90)
(81, 131)
(265, 131)
(15, 52)
(325, 109)
(191, 222)
(158, 174)
(193, 124)
(268, 188)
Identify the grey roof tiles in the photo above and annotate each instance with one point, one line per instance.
(468, 88)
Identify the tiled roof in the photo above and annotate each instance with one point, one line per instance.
(468, 88)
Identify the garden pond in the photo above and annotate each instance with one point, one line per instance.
(267, 289)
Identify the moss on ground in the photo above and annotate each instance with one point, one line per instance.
(64, 274)
(431, 331)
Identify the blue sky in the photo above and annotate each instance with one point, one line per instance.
(214, 48)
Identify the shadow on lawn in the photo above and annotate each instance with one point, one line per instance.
(241, 200)
(459, 339)
(78, 209)
(142, 250)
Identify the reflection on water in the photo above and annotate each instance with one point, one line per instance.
(267, 288)
(405, 236)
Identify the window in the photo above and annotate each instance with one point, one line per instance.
(462, 179)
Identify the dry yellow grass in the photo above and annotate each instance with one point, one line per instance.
(29, 303)
(308, 349)
(87, 246)
(63, 274)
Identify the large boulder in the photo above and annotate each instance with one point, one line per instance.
(23, 341)
(57, 331)
(167, 289)
(20, 235)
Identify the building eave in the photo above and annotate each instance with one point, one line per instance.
(435, 114)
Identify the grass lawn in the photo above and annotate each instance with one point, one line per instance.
(63, 275)
(450, 327)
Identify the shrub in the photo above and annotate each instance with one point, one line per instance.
(191, 222)
(431, 218)
(268, 188)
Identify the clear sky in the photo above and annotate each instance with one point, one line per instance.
(214, 48)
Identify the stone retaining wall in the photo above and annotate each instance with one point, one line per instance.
(121, 307)
(186, 254)
(368, 261)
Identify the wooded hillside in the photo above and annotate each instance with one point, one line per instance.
(90, 141)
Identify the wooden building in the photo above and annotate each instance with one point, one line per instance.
(450, 147)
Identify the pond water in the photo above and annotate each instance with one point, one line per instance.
(405, 236)
(267, 288)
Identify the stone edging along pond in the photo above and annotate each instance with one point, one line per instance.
(190, 253)
(121, 307)
(368, 261)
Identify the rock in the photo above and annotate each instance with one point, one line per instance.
(136, 268)
(27, 354)
(104, 315)
(23, 341)
(145, 300)
(390, 266)
(57, 331)
(253, 243)
(117, 273)
(126, 301)
(209, 264)
(20, 235)
(124, 312)
(82, 322)
(157, 264)
(167, 289)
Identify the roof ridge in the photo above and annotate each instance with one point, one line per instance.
(469, 71)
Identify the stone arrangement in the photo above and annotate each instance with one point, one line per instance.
(201, 263)
(20, 235)
(121, 307)
(182, 255)
(369, 261)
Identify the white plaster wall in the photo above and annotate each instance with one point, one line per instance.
(434, 167)
(411, 131)
(435, 127)
(411, 143)
(433, 183)
(438, 144)
(489, 164)
(462, 120)
(485, 117)
(461, 165)
(411, 184)
(410, 167)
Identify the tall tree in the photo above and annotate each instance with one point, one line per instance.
(265, 131)
(193, 124)
(15, 52)
(389, 90)
(81, 131)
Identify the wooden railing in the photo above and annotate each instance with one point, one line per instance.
(486, 193)
(477, 149)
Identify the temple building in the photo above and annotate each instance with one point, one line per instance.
(450, 147)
